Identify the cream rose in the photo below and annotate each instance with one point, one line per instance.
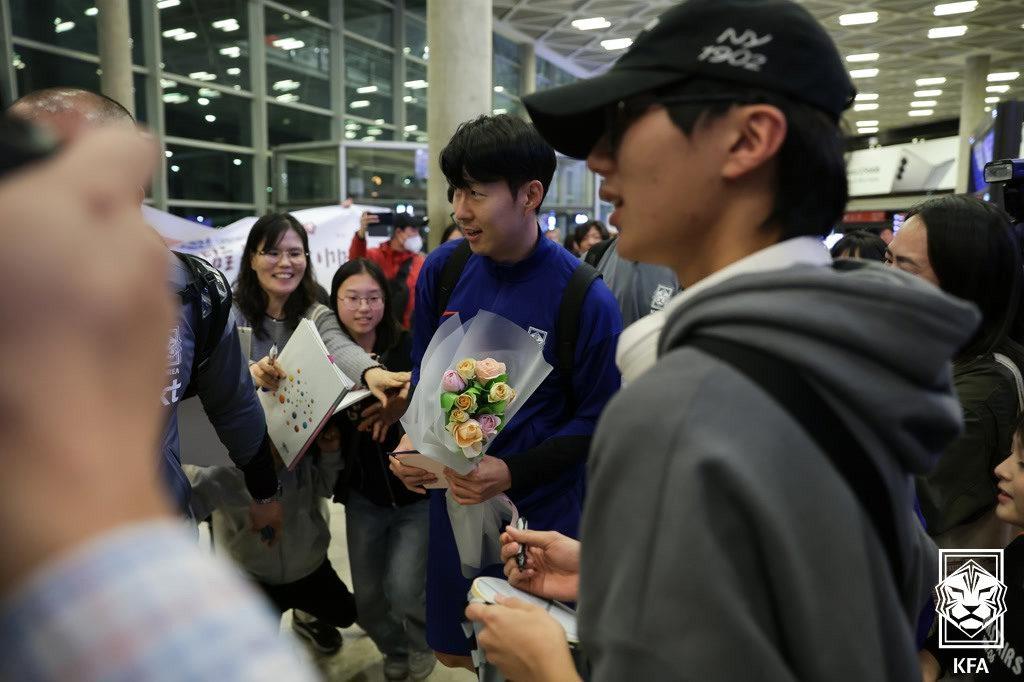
(466, 402)
(468, 433)
(466, 368)
(489, 368)
(458, 416)
(500, 391)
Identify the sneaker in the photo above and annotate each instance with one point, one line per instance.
(323, 637)
(421, 664)
(395, 668)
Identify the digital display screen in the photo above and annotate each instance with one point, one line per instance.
(981, 153)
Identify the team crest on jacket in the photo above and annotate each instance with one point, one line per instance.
(970, 598)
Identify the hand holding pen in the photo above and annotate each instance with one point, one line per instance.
(266, 373)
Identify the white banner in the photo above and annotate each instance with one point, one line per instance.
(330, 230)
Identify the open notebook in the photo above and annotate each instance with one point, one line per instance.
(306, 398)
(485, 588)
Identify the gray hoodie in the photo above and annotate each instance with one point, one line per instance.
(724, 545)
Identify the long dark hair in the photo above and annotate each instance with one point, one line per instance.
(976, 256)
(249, 295)
(388, 329)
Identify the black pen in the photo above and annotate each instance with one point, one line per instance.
(402, 452)
(521, 556)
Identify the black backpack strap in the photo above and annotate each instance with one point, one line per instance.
(593, 256)
(210, 295)
(786, 384)
(450, 275)
(568, 326)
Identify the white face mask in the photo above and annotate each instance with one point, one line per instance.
(413, 243)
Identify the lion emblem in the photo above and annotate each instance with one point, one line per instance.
(971, 598)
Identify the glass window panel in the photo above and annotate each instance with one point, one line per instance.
(503, 104)
(370, 19)
(550, 76)
(66, 23)
(506, 65)
(415, 100)
(368, 81)
(287, 125)
(367, 131)
(417, 7)
(35, 70)
(572, 185)
(206, 114)
(298, 60)
(318, 9)
(211, 217)
(383, 175)
(208, 175)
(207, 40)
(311, 176)
(415, 38)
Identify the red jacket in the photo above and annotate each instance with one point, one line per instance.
(390, 261)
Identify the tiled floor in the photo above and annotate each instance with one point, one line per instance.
(358, 659)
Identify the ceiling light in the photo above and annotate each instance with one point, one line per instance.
(866, 57)
(171, 32)
(931, 81)
(863, 73)
(175, 98)
(202, 76)
(350, 135)
(366, 89)
(374, 131)
(185, 36)
(237, 162)
(921, 112)
(866, 97)
(168, 153)
(175, 168)
(988, 109)
(369, 138)
(288, 97)
(996, 88)
(924, 103)
(591, 24)
(499, 88)
(234, 71)
(866, 123)
(286, 85)
(1003, 76)
(991, 100)
(203, 101)
(946, 32)
(352, 125)
(164, 4)
(208, 92)
(955, 8)
(164, 83)
(416, 84)
(234, 51)
(210, 118)
(866, 106)
(288, 43)
(91, 12)
(408, 99)
(499, 111)
(867, 130)
(64, 26)
(226, 25)
(411, 128)
(927, 93)
(858, 18)
(359, 104)
(616, 44)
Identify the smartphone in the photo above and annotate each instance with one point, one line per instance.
(382, 228)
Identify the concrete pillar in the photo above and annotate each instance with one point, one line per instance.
(527, 69)
(972, 109)
(459, 77)
(115, 42)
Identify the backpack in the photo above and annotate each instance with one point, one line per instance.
(567, 328)
(210, 295)
(593, 256)
(398, 287)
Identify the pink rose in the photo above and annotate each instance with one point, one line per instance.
(489, 368)
(452, 382)
(489, 424)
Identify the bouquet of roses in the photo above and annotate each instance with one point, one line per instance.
(475, 397)
(473, 367)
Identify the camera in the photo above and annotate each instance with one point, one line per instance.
(1008, 175)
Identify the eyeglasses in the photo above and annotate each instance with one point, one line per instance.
(622, 114)
(274, 255)
(354, 302)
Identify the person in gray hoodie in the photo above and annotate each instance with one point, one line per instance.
(726, 534)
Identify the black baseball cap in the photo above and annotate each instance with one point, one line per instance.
(775, 45)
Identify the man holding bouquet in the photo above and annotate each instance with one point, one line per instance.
(499, 170)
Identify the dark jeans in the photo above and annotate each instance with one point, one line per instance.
(321, 593)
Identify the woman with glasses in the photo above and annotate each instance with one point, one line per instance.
(387, 525)
(274, 291)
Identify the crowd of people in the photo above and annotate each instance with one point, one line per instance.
(740, 467)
